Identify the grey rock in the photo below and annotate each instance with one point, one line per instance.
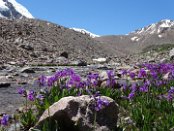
(12, 63)
(151, 60)
(101, 60)
(27, 47)
(171, 54)
(15, 127)
(79, 63)
(164, 60)
(27, 70)
(2, 67)
(77, 113)
(4, 84)
(23, 75)
(64, 54)
(104, 68)
(62, 60)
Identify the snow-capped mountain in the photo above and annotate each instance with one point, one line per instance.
(10, 9)
(155, 28)
(159, 33)
(83, 31)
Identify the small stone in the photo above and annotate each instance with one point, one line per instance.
(64, 54)
(79, 63)
(171, 54)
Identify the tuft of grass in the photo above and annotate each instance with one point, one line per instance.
(158, 48)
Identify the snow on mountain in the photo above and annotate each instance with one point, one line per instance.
(83, 31)
(155, 28)
(10, 9)
(2, 5)
(135, 38)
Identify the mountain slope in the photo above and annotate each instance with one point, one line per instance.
(158, 33)
(32, 39)
(10, 9)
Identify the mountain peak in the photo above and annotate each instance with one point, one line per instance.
(10, 9)
(155, 28)
(166, 23)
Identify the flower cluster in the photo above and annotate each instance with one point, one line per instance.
(139, 90)
(157, 75)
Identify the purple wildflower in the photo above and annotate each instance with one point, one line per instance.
(82, 84)
(51, 80)
(101, 103)
(172, 73)
(143, 88)
(124, 85)
(31, 95)
(124, 72)
(22, 91)
(75, 81)
(142, 73)
(4, 120)
(132, 75)
(69, 71)
(159, 82)
(134, 87)
(40, 97)
(92, 79)
(42, 80)
(111, 80)
(154, 74)
(171, 91)
(75, 78)
(131, 95)
(170, 97)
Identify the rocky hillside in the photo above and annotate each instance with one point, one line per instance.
(31, 39)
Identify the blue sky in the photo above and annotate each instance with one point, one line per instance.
(102, 17)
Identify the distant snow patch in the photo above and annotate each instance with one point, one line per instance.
(83, 31)
(135, 38)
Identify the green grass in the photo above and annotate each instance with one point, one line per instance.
(158, 48)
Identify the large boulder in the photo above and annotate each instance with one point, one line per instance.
(78, 114)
